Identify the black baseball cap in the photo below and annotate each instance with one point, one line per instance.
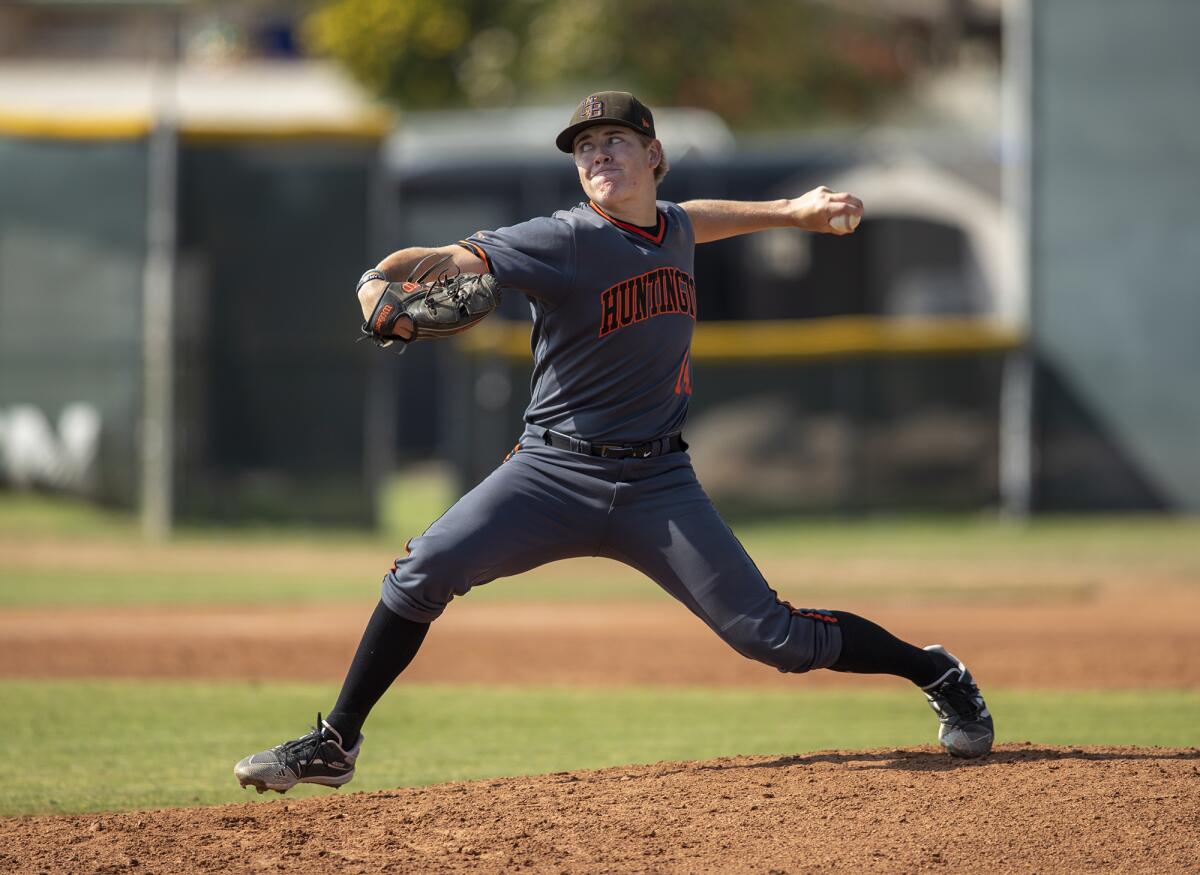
(606, 107)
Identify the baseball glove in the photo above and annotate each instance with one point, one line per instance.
(448, 304)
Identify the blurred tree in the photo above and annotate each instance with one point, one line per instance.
(426, 54)
(767, 63)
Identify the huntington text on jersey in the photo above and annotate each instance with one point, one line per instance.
(655, 293)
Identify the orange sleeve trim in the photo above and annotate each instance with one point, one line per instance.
(477, 250)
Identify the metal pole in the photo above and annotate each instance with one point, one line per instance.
(1017, 381)
(158, 284)
(382, 396)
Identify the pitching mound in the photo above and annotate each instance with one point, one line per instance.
(1019, 810)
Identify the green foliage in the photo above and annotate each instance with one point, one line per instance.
(108, 745)
(770, 63)
(773, 62)
(424, 54)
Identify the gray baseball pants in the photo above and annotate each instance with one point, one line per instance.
(545, 504)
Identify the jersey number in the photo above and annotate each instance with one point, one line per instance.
(683, 383)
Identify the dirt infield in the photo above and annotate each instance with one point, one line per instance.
(1092, 809)
(1111, 638)
(1103, 609)
(1068, 622)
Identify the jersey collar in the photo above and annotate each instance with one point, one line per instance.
(656, 238)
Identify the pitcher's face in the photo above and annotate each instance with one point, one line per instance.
(616, 165)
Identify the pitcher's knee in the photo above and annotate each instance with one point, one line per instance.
(799, 642)
(422, 583)
(779, 654)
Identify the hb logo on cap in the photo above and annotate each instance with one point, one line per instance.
(593, 107)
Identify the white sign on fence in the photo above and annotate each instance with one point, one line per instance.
(32, 453)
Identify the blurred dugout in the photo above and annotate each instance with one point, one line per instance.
(830, 374)
(878, 363)
(266, 393)
(818, 405)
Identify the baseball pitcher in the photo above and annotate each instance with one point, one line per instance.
(601, 467)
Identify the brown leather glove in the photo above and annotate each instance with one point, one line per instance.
(446, 305)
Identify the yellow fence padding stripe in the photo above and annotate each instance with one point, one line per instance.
(68, 127)
(369, 130)
(797, 339)
(134, 127)
(851, 335)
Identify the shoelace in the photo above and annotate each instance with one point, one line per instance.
(306, 746)
(962, 698)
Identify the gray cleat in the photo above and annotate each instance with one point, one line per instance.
(966, 725)
(315, 758)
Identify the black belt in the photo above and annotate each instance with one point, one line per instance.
(672, 443)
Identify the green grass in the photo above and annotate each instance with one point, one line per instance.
(24, 588)
(1158, 539)
(30, 588)
(409, 504)
(41, 587)
(32, 514)
(93, 746)
(950, 559)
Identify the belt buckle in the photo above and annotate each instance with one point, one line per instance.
(612, 451)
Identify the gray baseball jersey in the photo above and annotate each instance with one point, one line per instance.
(614, 306)
(613, 309)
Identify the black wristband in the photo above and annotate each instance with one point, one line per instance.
(372, 274)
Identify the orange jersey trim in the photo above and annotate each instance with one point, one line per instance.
(807, 613)
(813, 615)
(477, 250)
(656, 237)
(407, 552)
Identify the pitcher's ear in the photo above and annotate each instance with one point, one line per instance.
(655, 152)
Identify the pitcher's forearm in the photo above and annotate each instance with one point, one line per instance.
(400, 263)
(812, 211)
(718, 219)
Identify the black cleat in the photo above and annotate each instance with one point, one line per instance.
(966, 725)
(315, 758)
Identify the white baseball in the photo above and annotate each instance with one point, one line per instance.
(845, 222)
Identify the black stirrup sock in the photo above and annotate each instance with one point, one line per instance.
(387, 647)
(871, 649)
